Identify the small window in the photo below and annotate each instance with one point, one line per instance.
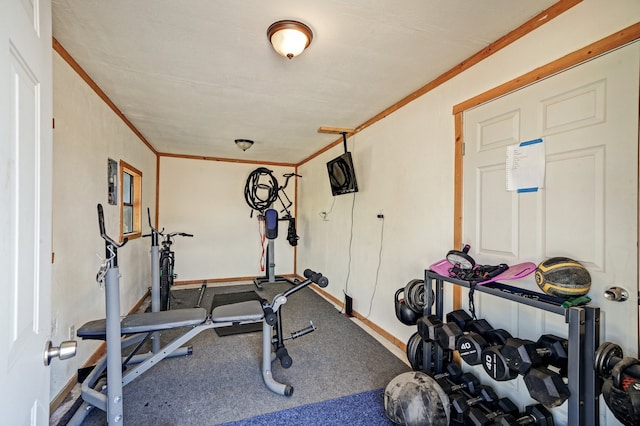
(130, 201)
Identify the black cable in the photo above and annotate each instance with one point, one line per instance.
(375, 285)
(346, 285)
(256, 184)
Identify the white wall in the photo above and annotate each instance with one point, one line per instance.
(404, 167)
(206, 198)
(86, 133)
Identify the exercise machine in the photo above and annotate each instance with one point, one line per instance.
(137, 328)
(261, 192)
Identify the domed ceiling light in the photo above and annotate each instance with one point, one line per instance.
(289, 38)
(244, 144)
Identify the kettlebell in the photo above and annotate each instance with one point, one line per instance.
(404, 313)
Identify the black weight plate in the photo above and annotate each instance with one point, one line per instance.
(415, 352)
(409, 297)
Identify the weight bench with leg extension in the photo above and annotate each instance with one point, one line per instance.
(139, 327)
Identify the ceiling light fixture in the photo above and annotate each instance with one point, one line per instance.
(289, 38)
(244, 144)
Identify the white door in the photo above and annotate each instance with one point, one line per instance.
(588, 209)
(25, 209)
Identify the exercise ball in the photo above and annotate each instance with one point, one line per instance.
(416, 399)
(563, 277)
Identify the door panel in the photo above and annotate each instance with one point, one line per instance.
(587, 210)
(25, 218)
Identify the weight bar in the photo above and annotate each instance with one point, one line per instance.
(607, 356)
(536, 415)
(522, 355)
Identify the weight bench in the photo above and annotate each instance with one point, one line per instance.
(137, 328)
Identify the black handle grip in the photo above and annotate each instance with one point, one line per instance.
(184, 234)
(103, 233)
(316, 277)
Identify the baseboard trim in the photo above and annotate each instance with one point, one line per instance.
(395, 341)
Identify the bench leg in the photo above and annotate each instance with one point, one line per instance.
(267, 359)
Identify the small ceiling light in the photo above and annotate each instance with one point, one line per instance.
(289, 38)
(244, 144)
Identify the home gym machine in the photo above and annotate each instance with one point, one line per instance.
(136, 329)
(261, 191)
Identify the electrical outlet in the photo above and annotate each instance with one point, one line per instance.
(72, 332)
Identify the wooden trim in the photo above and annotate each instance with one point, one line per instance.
(524, 29)
(587, 53)
(458, 186)
(137, 202)
(82, 73)
(226, 160)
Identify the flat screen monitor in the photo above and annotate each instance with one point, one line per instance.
(342, 176)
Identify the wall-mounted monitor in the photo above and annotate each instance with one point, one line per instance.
(342, 176)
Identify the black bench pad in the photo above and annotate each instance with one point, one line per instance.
(146, 322)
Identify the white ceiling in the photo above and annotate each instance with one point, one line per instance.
(194, 75)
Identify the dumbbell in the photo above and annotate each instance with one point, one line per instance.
(536, 415)
(458, 322)
(470, 345)
(546, 386)
(452, 373)
(522, 355)
(460, 404)
(468, 324)
(481, 418)
(495, 364)
(467, 381)
(428, 325)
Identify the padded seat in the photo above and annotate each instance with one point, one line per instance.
(250, 310)
(146, 322)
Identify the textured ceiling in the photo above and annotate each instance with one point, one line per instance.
(194, 75)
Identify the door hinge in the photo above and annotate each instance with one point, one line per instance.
(462, 148)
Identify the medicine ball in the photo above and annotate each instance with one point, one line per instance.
(416, 399)
(563, 277)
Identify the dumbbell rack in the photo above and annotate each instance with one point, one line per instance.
(583, 337)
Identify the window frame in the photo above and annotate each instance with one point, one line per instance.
(136, 201)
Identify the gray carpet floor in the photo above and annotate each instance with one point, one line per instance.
(222, 381)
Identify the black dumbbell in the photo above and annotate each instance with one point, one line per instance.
(467, 381)
(536, 415)
(460, 404)
(427, 326)
(546, 386)
(468, 324)
(452, 373)
(495, 364)
(470, 345)
(522, 355)
(458, 322)
(506, 407)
